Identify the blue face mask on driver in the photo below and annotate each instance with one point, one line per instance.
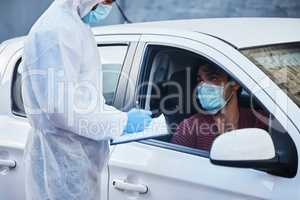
(98, 14)
(211, 97)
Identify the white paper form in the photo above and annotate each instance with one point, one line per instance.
(157, 128)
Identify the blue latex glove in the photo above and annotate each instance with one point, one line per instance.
(138, 120)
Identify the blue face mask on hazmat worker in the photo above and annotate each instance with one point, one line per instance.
(68, 145)
(98, 13)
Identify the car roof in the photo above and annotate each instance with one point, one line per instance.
(239, 32)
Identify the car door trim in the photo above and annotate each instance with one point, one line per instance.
(176, 147)
(132, 42)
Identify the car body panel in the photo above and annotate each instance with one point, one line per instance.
(172, 174)
(13, 137)
(240, 32)
(9, 48)
(175, 175)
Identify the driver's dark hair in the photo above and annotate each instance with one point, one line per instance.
(212, 68)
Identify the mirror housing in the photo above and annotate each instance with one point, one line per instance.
(244, 148)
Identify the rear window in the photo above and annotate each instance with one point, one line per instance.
(282, 64)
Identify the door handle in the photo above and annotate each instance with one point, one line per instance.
(123, 186)
(8, 163)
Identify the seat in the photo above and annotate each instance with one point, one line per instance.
(173, 75)
(179, 102)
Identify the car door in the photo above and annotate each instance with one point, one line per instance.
(116, 54)
(14, 130)
(155, 169)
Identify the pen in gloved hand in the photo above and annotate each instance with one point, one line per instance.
(137, 105)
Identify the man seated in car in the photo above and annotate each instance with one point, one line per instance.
(220, 112)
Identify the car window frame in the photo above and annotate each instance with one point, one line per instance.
(141, 56)
(120, 90)
(132, 41)
(99, 45)
(17, 64)
(162, 144)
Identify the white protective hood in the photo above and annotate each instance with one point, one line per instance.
(82, 6)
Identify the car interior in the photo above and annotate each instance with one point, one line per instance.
(172, 84)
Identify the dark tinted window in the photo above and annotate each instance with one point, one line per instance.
(16, 91)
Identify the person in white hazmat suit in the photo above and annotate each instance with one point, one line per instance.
(62, 91)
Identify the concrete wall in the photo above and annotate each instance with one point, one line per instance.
(17, 16)
(174, 9)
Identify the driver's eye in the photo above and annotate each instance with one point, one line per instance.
(199, 79)
(213, 78)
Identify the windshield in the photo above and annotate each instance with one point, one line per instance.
(282, 64)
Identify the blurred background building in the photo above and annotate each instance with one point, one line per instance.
(17, 16)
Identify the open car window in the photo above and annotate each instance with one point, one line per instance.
(172, 91)
(168, 87)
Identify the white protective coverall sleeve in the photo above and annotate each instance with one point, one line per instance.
(62, 92)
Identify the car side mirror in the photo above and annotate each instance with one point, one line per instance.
(245, 148)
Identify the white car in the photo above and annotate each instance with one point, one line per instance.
(262, 55)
